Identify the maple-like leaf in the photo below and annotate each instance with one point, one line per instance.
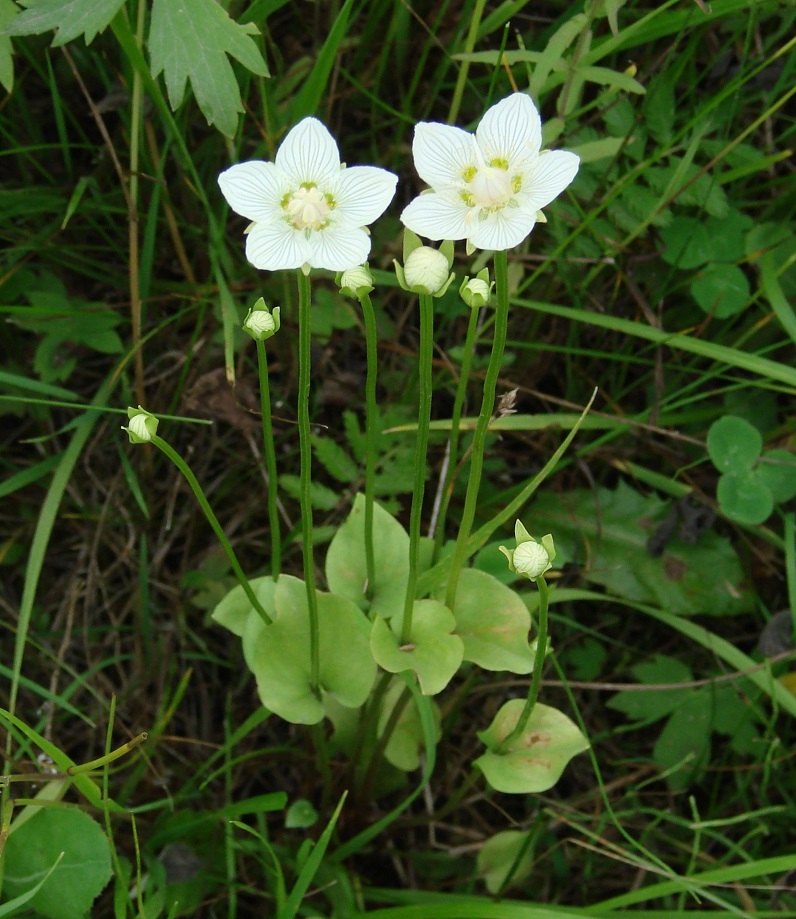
(191, 41)
(69, 18)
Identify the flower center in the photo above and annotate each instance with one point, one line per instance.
(491, 187)
(308, 208)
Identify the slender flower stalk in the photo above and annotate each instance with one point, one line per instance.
(425, 366)
(305, 448)
(453, 440)
(270, 459)
(538, 666)
(196, 488)
(482, 426)
(370, 438)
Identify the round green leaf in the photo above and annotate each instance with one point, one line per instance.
(346, 570)
(33, 848)
(279, 654)
(300, 814)
(777, 469)
(534, 761)
(734, 445)
(406, 740)
(721, 290)
(233, 611)
(431, 651)
(687, 243)
(493, 623)
(744, 497)
(499, 856)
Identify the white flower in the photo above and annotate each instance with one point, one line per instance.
(308, 209)
(487, 188)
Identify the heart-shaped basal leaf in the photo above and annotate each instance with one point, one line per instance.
(431, 650)
(279, 654)
(79, 877)
(233, 611)
(406, 740)
(346, 569)
(744, 497)
(534, 761)
(734, 445)
(508, 852)
(493, 623)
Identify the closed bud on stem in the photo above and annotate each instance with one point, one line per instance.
(142, 425)
(356, 282)
(530, 559)
(260, 322)
(476, 291)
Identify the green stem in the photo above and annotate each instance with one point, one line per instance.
(305, 447)
(196, 488)
(482, 427)
(270, 459)
(425, 367)
(370, 438)
(461, 79)
(453, 441)
(538, 666)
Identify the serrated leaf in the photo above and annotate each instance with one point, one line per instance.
(651, 705)
(69, 18)
(684, 741)
(321, 497)
(191, 41)
(335, 460)
(659, 108)
(77, 879)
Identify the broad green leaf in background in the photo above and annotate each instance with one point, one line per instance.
(777, 470)
(734, 444)
(721, 290)
(505, 852)
(77, 879)
(69, 18)
(647, 705)
(687, 243)
(191, 41)
(8, 10)
(406, 741)
(610, 528)
(744, 497)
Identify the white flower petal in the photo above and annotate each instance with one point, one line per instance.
(309, 154)
(253, 189)
(362, 194)
(276, 245)
(442, 153)
(502, 229)
(437, 215)
(338, 248)
(510, 130)
(553, 172)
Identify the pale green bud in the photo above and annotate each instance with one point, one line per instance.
(476, 291)
(426, 271)
(260, 322)
(142, 426)
(530, 559)
(356, 282)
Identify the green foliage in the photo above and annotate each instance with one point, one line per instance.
(69, 18)
(705, 577)
(683, 747)
(535, 760)
(191, 42)
(505, 860)
(66, 847)
(751, 480)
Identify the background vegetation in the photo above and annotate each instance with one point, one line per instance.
(664, 278)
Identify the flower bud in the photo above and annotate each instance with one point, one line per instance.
(142, 427)
(530, 559)
(260, 322)
(426, 271)
(476, 291)
(356, 282)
